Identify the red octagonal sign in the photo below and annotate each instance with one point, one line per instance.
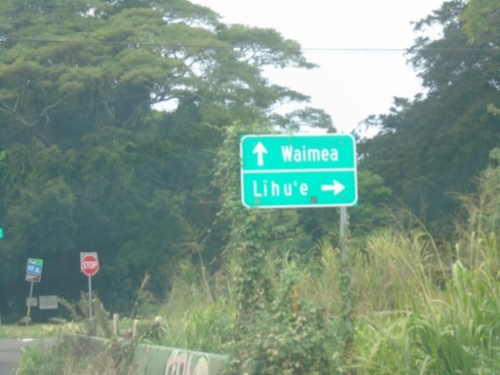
(90, 265)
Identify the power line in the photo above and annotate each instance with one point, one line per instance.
(134, 44)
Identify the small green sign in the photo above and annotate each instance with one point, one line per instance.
(1, 233)
(291, 171)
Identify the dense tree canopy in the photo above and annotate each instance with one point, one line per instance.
(438, 143)
(112, 113)
(88, 162)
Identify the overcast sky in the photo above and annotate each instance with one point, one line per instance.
(348, 85)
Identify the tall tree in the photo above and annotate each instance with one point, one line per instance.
(89, 163)
(436, 144)
(481, 19)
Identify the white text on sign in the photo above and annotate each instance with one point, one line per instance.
(89, 265)
(274, 189)
(298, 155)
(298, 170)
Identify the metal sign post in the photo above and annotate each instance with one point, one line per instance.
(345, 274)
(29, 304)
(90, 298)
(345, 282)
(89, 265)
(343, 234)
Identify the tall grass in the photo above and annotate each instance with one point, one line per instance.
(397, 267)
(388, 271)
(454, 335)
(422, 306)
(196, 317)
(459, 334)
(417, 312)
(71, 358)
(455, 331)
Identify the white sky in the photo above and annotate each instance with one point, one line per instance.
(349, 86)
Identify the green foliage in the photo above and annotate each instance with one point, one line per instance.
(307, 117)
(487, 200)
(370, 213)
(449, 331)
(437, 143)
(480, 21)
(35, 361)
(88, 162)
(99, 325)
(208, 328)
(478, 236)
(194, 318)
(250, 231)
(287, 336)
(72, 357)
(275, 330)
(462, 334)
(452, 333)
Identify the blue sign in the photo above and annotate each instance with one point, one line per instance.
(34, 266)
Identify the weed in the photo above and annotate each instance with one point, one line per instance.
(100, 324)
(77, 357)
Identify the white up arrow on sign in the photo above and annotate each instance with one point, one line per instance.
(260, 150)
(337, 187)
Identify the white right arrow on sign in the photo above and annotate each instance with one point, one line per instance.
(337, 187)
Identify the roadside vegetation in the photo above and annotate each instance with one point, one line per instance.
(68, 358)
(420, 305)
(88, 162)
(36, 331)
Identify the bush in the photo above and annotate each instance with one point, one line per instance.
(77, 357)
(286, 336)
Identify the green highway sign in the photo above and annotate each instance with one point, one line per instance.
(289, 171)
(1, 232)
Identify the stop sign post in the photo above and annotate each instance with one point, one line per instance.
(89, 265)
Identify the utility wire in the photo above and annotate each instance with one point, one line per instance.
(219, 47)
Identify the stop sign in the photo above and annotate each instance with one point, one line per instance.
(90, 264)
